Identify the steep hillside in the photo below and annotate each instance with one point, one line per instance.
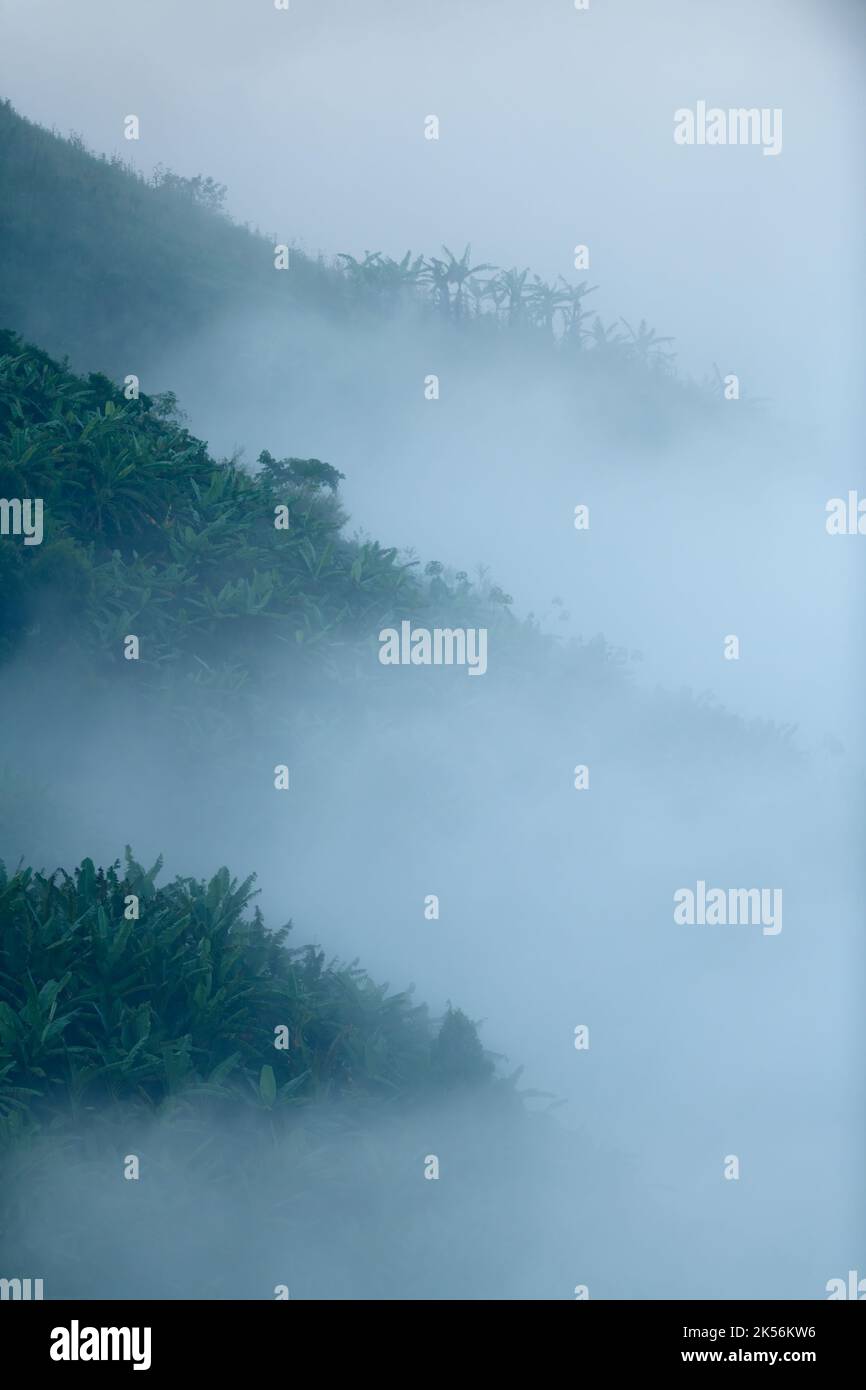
(106, 267)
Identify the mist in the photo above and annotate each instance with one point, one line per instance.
(556, 905)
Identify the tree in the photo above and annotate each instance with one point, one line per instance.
(458, 272)
(574, 313)
(548, 300)
(509, 287)
(646, 346)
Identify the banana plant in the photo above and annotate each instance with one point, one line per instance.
(458, 272)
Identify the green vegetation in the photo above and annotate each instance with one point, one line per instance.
(96, 1009)
(106, 267)
(146, 534)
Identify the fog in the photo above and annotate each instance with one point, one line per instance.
(557, 905)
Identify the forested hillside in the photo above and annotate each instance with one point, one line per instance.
(255, 611)
(104, 266)
(145, 533)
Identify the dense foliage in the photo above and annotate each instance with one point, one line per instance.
(145, 534)
(96, 1007)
